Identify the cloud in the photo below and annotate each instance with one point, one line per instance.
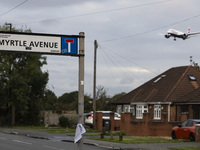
(130, 50)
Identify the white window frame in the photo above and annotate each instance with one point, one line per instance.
(157, 112)
(140, 109)
(132, 109)
(126, 108)
(145, 109)
(119, 109)
(139, 112)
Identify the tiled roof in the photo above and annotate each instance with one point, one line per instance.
(169, 86)
(192, 97)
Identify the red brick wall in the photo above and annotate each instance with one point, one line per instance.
(183, 117)
(116, 125)
(145, 126)
(190, 112)
(112, 123)
(99, 121)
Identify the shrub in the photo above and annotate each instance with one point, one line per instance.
(64, 122)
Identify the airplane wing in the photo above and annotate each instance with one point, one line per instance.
(194, 33)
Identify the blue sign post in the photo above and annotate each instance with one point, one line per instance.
(69, 45)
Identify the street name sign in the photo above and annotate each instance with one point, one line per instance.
(39, 43)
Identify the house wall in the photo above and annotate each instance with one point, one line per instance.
(145, 126)
(191, 112)
(173, 115)
(148, 126)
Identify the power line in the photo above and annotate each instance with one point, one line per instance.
(13, 8)
(124, 58)
(152, 30)
(109, 69)
(100, 12)
(125, 70)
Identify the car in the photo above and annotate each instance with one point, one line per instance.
(106, 116)
(185, 130)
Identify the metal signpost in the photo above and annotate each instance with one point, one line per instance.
(53, 45)
(39, 43)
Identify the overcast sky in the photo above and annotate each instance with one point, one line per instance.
(130, 35)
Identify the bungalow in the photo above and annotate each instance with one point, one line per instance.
(161, 103)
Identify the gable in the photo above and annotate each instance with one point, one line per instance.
(166, 87)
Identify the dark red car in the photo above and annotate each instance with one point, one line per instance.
(185, 130)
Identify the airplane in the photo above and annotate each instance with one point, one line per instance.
(179, 34)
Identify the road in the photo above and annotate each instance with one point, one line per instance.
(17, 142)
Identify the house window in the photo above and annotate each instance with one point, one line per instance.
(140, 109)
(157, 111)
(145, 109)
(184, 109)
(192, 78)
(159, 78)
(126, 108)
(119, 109)
(139, 112)
(132, 110)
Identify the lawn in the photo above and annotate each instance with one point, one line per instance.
(185, 148)
(137, 140)
(53, 129)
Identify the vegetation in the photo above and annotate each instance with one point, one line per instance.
(22, 86)
(23, 92)
(185, 148)
(137, 140)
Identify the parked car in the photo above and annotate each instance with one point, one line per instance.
(185, 130)
(106, 116)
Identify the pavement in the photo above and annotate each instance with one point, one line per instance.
(63, 137)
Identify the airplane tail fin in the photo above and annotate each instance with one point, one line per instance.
(188, 31)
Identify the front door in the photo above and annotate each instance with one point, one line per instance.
(196, 111)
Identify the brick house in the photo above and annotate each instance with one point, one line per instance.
(161, 103)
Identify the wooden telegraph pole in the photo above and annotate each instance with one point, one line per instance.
(94, 86)
(81, 86)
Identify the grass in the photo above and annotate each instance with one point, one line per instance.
(91, 132)
(54, 129)
(185, 148)
(26, 127)
(137, 140)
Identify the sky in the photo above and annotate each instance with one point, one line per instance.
(131, 49)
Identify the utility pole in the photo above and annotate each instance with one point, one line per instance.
(81, 85)
(9, 24)
(94, 86)
(11, 112)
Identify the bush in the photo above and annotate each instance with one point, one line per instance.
(64, 122)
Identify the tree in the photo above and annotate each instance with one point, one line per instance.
(104, 102)
(22, 85)
(49, 101)
(68, 101)
(87, 103)
(102, 98)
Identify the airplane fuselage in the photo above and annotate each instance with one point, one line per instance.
(176, 34)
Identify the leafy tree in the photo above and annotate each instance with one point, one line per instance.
(87, 103)
(104, 102)
(22, 85)
(68, 101)
(102, 98)
(49, 101)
